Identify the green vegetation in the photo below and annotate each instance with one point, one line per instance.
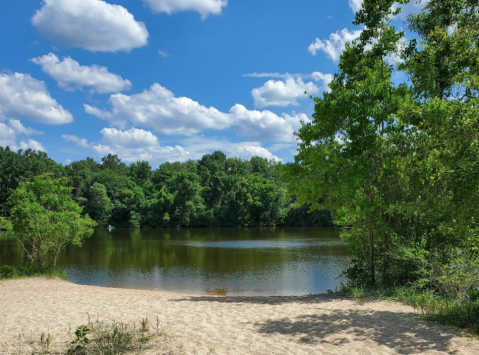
(8, 272)
(45, 219)
(112, 339)
(99, 338)
(398, 164)
(213, 191)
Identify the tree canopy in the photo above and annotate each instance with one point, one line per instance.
(213, 191)
(397, 163)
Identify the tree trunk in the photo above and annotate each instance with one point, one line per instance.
(372, 269)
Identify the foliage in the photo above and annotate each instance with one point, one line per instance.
(16, 167)
(8, 272)
(45, 219)
(99, 205)
(100, 338)
(213, 191)
(397, 164)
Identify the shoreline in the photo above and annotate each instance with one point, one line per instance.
(310, 324)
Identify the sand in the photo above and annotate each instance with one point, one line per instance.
(322, 324)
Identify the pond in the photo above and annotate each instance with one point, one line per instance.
(221, 261)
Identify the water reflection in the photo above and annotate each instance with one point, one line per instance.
(254, 261)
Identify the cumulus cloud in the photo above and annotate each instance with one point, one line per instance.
(282, 92)
(203, 7)
(288, 91)
(23, 96)
(9, 132)
(159, 109)
(198, 146)
(355, 5)
(266, 125)
(19, 128)
(334, 46)
(94, 25)
(133, 138)
(70, 75)
(131, 145)
(249, 151)
(32, 144)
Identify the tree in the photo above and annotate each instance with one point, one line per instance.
(99, 205)
(22, 166)
(114, 163)
(140, 172)
(80, 176)
(45, 219)
(397, 164)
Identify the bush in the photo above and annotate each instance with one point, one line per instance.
(7, 272)
(29, 270)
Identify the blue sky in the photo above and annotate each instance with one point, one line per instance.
(165, 80)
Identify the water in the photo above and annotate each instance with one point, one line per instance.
(222, 261)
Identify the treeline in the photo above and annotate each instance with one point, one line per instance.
(213, 191)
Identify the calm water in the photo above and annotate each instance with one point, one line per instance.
(254, 261)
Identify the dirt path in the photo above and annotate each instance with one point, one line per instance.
(229, 325)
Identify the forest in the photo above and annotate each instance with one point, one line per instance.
(213, 191)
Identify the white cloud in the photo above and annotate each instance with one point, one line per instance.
(355, 5)
(70, 75)
(334, 46)
(32, 144)
(131, 145)
(163, 54)
(249, 151)
(287, 92)
(82, 142)
(159, 109)
(282, 93)
(9, 132)
(198, 146)
(203, 7)
(19, 128)
(133, 138)
(7, 136)
(266, 125)
(23, 96)
(94, 25)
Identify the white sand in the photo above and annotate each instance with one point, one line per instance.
(229, 325)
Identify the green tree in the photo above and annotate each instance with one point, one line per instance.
(99, 205)
(140, 172)
(16, 167)
(397, 164)
(45, 219)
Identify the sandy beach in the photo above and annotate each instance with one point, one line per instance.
(321, 324)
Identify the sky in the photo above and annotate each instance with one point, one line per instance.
(166, 80)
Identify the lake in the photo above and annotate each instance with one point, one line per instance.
(221, 261)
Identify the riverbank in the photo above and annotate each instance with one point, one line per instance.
(322, 324)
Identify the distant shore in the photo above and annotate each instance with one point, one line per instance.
(316, 324)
